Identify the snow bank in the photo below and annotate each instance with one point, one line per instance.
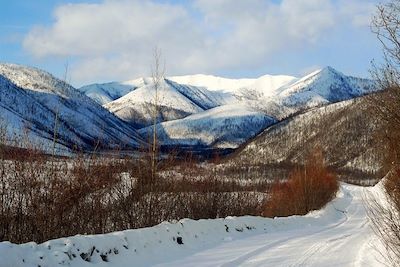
(166, 241)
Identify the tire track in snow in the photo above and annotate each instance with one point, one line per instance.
(337, 242)
(243, 258)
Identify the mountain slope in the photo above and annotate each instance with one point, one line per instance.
(265, 84)
(23, 117)
(346, 132)
(324, 86)
(226, 126)
(107, 92)
(175, 101)
(44, 105)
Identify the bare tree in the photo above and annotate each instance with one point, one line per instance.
(157, 75)
(385, 218)
(148, 182)
(385, 214)
(57, 111)
(386, 25)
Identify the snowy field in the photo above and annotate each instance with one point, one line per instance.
(338, 235)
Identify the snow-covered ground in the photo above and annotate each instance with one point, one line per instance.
(338, 235)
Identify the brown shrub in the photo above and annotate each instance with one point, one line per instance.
(307, 188)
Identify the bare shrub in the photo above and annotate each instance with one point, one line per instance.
(43, 197)
(383, 212)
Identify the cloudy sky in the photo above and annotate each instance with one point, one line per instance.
(104, 40)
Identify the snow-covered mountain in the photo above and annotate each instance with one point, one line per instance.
(227, 90)
(278, 96)
(189, 104)
(107, 92)
(175, 101)
(226, 126)
(35, 102)
(264, 85)
(321, 87)
(195, 110)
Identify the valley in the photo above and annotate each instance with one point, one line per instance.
(199, 133)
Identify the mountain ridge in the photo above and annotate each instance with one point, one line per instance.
(51, 109)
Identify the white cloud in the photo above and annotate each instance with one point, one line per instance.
(359, 12)
(114, 39)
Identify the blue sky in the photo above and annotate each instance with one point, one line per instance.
(17, 17)
(113, 39)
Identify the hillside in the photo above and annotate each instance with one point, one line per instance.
(346, 131)
(107, 92)
(226, 126)
(323, 86)
(34, 102)
(175, 101)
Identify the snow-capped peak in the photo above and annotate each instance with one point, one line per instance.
(328, 70)
(329, 84)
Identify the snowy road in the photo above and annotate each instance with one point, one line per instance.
(345, 242)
